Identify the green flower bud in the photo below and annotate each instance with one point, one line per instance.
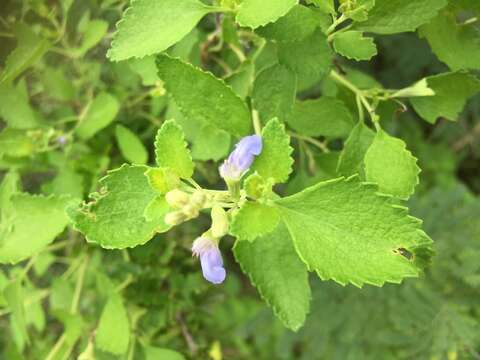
(175, 218)
(177, 198)
(190, 211)
(220, 222)
(198, 199)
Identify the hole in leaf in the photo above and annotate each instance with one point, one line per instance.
(404, 252)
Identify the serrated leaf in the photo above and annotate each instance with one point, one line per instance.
(274, 161)
(353, 45)
(255, 13)
(389, 164)
(34, 221)
(171, 150)
(310, 58)
(114, 219)
(451, 93)
(202, 97)
(278, 274)
(274, 92)
(254, 219)
(347, 232)
(297, 24)
(395, 16)
(323, 116)
(162, 179)
(101, 112)
(15, 108)
(29, 49)
(150, 26)
(456, 45)
(257, 187)
(130, 145)
(354, 150)
(113, 330)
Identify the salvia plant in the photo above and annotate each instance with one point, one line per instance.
(239, 179)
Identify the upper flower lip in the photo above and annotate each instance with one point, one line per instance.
(241, 158)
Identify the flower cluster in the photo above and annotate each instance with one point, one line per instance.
(232, 170)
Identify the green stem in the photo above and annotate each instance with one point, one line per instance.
(310, 140)
(256, 123)
(78, 286)
(360, 94)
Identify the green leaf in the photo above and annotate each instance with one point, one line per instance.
(162, 179)
(274, 161)
(274, 92)
(16, 143)
(8, 187)
(130, 145)
(456, 45)
(29, 50)
(254, 219)
(14, 295)
(57, 85)
(146, 69)
(34, 222)
(150, 26)
(395, 16)
(389, 164)
(324, 116)
(203, 97)
(113, 330)
(15, 109)
(210, 143)
(257, 187)
(156, 353)
(353, 45)
(66, 182)
(354, 150)
(310, 58)
(171, 150)
(278, 274)
(114, 218)
(93, 34)
(451, 93)
(101, 112)
(296, 25)
(255, 13)
(242, 79)
(347, 232)
(156, 211)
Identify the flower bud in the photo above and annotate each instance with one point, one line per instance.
(177, 198)
(198, 199)
(190, 211)
(175, 218)
(220, 222)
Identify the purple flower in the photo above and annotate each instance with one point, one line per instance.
(210, 259)
(241, 158)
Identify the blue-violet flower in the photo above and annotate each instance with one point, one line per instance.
(241, 158)
(210, 258)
